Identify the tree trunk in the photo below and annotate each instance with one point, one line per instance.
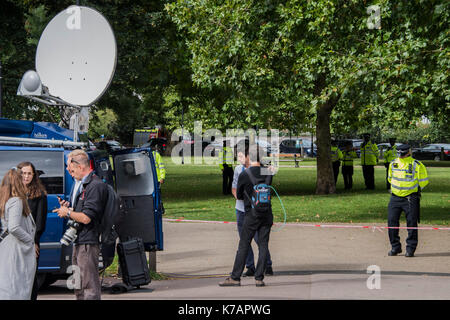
(325, 179)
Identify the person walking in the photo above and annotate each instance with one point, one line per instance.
(389, 155)
(347, 165)
(254, 221)
(243, 157)
(37, 201)
(88, 211)
(336, 157)
(17, 250)
(407, 177)
(369, 159)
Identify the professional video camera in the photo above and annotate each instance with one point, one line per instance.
(71, 233)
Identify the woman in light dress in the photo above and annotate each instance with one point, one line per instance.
(17, 250)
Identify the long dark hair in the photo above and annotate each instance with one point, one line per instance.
(35, 188)
(12, 186)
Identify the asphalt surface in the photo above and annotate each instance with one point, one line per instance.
(308, 262)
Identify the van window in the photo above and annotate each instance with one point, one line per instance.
(50, 163)
(134, 176)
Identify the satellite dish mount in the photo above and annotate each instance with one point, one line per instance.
(75, 63)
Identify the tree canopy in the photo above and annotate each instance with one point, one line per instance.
(341, 65)
(322, 60)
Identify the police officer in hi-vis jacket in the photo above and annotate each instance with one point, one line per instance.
(407, 177)
(369, 159)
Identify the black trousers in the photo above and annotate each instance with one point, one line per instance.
(227, 179)
(336, 165)
(411, 206)
(251, 225)
(347, 174)
(369, 176)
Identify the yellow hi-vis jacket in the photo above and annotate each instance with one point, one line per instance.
(336, 154)
(390, 154)
(160, 168)
(348, 157)
(369, 154)
(226, 156)
(406, 176)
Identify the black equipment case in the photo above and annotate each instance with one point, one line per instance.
(133, 262)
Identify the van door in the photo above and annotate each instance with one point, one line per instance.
(137, 185)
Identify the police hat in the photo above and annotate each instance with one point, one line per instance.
(403, 149)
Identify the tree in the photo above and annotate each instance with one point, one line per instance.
(321, 58)
(150, 59)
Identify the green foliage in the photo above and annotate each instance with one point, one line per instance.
(319, 59)
(101, 123)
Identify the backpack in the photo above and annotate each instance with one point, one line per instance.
(260, 198)
(110, 218)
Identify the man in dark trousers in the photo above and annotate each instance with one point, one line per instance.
(369, 159)
(407, 177)
(89, 208)
(254, 221)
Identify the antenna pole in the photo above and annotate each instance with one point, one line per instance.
(76, 127)
(78, 2)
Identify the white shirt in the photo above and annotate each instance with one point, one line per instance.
(237, 171)
(76, 189)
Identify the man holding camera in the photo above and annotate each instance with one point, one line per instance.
(88, 211)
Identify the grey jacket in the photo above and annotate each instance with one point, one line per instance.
(17, 253)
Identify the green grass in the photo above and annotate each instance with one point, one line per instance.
(195, 192)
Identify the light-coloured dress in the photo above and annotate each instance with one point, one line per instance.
(17, 253)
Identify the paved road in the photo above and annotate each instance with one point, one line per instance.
(309, 263)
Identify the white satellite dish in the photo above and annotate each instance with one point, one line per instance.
(76, 56)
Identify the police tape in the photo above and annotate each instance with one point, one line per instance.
(373, 228)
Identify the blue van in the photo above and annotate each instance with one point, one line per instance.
(132, 172)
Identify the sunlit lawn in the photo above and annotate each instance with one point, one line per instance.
(195, 192)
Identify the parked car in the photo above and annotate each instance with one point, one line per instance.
(355, 142)
(267, 147)
(161, 143)
(295, 146)
(109, 145)
(382, 147)
(432, 152)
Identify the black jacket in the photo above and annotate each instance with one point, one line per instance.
(91, 201)
(244, 188)
(38, 207)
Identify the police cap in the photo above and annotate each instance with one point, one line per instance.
(403, 149)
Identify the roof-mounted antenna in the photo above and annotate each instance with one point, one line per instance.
(75, 62)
